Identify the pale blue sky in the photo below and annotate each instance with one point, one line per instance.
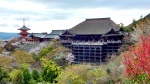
(47, 15)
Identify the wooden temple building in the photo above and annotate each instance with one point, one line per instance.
(93, 40)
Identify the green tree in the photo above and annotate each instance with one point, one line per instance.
(36, 76)
(4, 77)
(44, 52)
(17, 78)
(26, 76)
(50, 70)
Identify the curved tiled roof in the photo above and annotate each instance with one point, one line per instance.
(54, 36)
(42, 35)
(95, 26)
(24, 28)
(57, 32)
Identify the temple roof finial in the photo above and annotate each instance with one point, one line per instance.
(24, 27)
(23, 21)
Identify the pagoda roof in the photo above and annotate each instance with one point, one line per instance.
(95, 26)
(24, 28)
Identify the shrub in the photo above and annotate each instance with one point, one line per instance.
(4, 77)
(137, 62)
(1, 49)
(114, 68)
(23, 57)
(17, 77)
(22, 76)
(32, 81)
(36, 76)
(54, 52)
(50, 70)
(44, 51)
(5, 61)
(81, 74)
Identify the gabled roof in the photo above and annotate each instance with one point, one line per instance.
(95, 26)
(112, 31)
(51, 36)
(58, 32)
(24, 28)
(43, 35)
(68, 33)
(39, 35)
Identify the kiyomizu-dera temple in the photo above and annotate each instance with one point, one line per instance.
(92, 40)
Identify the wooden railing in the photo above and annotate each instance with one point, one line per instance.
(90, 42)
(95, 43)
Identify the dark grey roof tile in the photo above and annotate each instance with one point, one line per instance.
(58, 32)
(95, 26)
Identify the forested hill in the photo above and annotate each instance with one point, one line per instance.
(6, 36)
(137, 29)
(143, 24)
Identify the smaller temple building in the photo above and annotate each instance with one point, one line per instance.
(43, 37)
(24, 32)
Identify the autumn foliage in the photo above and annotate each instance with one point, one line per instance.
(137, 61)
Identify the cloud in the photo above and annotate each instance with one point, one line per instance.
(113, 4)
(4, 25)
(60, 15)
(9, 11)
(45, 15)
(16, 26)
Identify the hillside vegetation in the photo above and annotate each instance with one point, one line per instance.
(49, 66)
(138, 28)
(143, 24)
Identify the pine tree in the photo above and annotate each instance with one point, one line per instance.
(36, 76)
(26, 76)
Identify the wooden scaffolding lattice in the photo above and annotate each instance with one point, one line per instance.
(92, 53)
